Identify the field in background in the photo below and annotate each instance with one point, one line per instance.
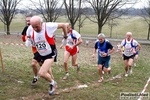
(17, 76)
(136, 25)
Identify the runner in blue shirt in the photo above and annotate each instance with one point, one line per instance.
(104, 48)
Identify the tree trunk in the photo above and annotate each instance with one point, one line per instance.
(99, 29)
(79, 28)
(111, 31)
(8, 29)
(148, 32)
(79, 23)
(72, 25)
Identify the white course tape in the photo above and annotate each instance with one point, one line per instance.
(145, 87)
(17, 44)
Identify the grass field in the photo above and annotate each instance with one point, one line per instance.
(17, 76)
(136, 25)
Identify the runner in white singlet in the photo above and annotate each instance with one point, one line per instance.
(42, 37)
(71, 49)
(129, 45)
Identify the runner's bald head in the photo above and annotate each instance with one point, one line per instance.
(36, 19)
(128, 36)
(36, 23)
(128, 33)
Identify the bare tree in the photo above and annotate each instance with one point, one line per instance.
(7, 12)
(27, 11)
(81, 20)
(111, 23)
(103, 9)
(73, 10)
(146, 16)
(50, 9)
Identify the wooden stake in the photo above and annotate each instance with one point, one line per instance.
(1, 60)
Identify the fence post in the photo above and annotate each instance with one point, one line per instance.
(1, 60)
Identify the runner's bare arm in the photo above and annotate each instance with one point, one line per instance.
(94, 52)
(64, 28)
(110, 51)
(78, 42)
(138, 47)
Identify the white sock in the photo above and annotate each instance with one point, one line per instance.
(52, 82)
(67, 74)
(36, 77)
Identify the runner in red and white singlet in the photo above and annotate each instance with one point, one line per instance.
(41, 36)
(71, 48)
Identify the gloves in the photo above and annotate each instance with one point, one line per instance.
(23, 38)
(64, 41)
(28, 43)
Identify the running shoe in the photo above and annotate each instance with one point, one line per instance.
(101, 80)
(52, 88)
(126, 75)
(66, 76)
(34, 82)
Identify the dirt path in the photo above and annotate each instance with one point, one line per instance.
(45, 96)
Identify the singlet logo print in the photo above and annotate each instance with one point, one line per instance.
(39, 38)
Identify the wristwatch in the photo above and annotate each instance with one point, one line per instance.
(65, 37)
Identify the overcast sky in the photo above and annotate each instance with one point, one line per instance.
(140, 4)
